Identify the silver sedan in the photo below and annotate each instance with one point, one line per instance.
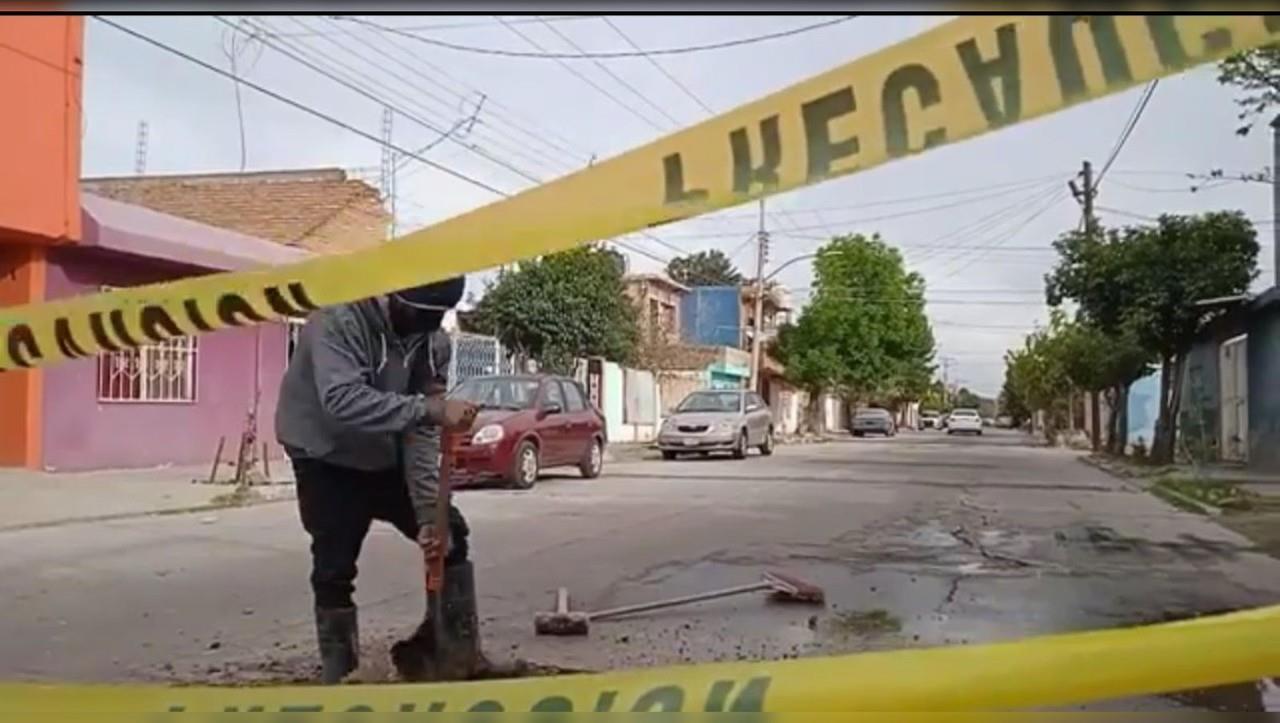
(706, 421)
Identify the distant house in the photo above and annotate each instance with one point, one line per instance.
(165, 403)
(1230, 408)
(657, 300)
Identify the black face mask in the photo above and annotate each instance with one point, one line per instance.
(407, 320)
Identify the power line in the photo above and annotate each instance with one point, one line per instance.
(1130, 125)
(870, 219)
(1144, 217)
(298, 105)
(574, 71)
(358, 89)
(601, 55)
(1053, 201)
(533, 138)
(658, 66)
(544, 135)
(609, 72)
(453, 26)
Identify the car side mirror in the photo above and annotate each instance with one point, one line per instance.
(551, 408)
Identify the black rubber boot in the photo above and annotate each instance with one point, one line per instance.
(339, 639)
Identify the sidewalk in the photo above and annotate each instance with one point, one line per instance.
(1259, 483)
(40, 499)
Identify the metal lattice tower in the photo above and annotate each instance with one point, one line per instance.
(140, 150)
(387, 179)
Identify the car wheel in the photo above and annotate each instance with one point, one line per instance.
(524, 466)
(668, 455)
(740, 449)
(766, 448)
(857, 434)
(593, 461)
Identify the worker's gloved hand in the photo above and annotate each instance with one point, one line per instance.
(431, 544)
(459, 415)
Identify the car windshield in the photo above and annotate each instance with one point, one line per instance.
(871, 414)
(497, 392)
(711, 402)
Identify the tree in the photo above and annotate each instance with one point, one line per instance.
(1035, 380)
(1140, 287)
(1257, 74)
(704, 268)
(561, 307)
(864, 334)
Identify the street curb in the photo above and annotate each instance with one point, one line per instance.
(118, 516)
(1209, 510)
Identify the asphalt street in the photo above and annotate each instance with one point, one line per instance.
(919, 540)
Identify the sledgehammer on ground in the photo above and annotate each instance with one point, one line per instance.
(563, 621)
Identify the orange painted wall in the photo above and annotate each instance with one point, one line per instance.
(22, 279)
(41, 63)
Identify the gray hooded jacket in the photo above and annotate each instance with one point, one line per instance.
(352, 391)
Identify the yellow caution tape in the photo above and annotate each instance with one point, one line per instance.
(1035, 673)
(961, 79)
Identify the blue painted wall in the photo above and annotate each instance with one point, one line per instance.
(711, 315)
(1144, 409)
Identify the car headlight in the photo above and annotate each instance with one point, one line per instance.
(724, 427)
(488, 434)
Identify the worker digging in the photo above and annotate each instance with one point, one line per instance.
(361, 413)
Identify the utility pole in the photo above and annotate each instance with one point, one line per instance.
(757, 324)
(1085, 197)
(946, 381)
(1275, 198)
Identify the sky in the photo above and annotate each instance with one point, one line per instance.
(975, 218)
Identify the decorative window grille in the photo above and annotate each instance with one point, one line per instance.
(164, 373)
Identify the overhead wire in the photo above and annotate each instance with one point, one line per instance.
(544, 54)
(617, 78)
(658, 66)
(516, 120)
(297, 105)
(1127, 131)
(535, 140)
(397, 108)
(456, 26)
(585, 79)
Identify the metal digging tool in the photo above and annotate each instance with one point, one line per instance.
(429, 654)
(563, 621)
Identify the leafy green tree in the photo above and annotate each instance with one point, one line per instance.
(561, 307)
(864, 334)
(1035, 380)
(1140, 287)
(1257, 74)
(704, 268)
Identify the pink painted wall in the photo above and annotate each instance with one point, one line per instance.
(81, 433)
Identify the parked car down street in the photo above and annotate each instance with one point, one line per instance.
(708, 421)
(964, 421)
(930, 419)
(872, 421)
(528, 424)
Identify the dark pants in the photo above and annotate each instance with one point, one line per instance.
(337, 505)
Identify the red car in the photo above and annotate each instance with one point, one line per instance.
(527, 424)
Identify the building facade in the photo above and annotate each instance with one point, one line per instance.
(1230, 408)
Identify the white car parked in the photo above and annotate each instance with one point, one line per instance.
(964, 420)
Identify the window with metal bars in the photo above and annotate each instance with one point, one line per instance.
(155, 373)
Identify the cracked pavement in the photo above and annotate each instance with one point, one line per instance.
(956, 540)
